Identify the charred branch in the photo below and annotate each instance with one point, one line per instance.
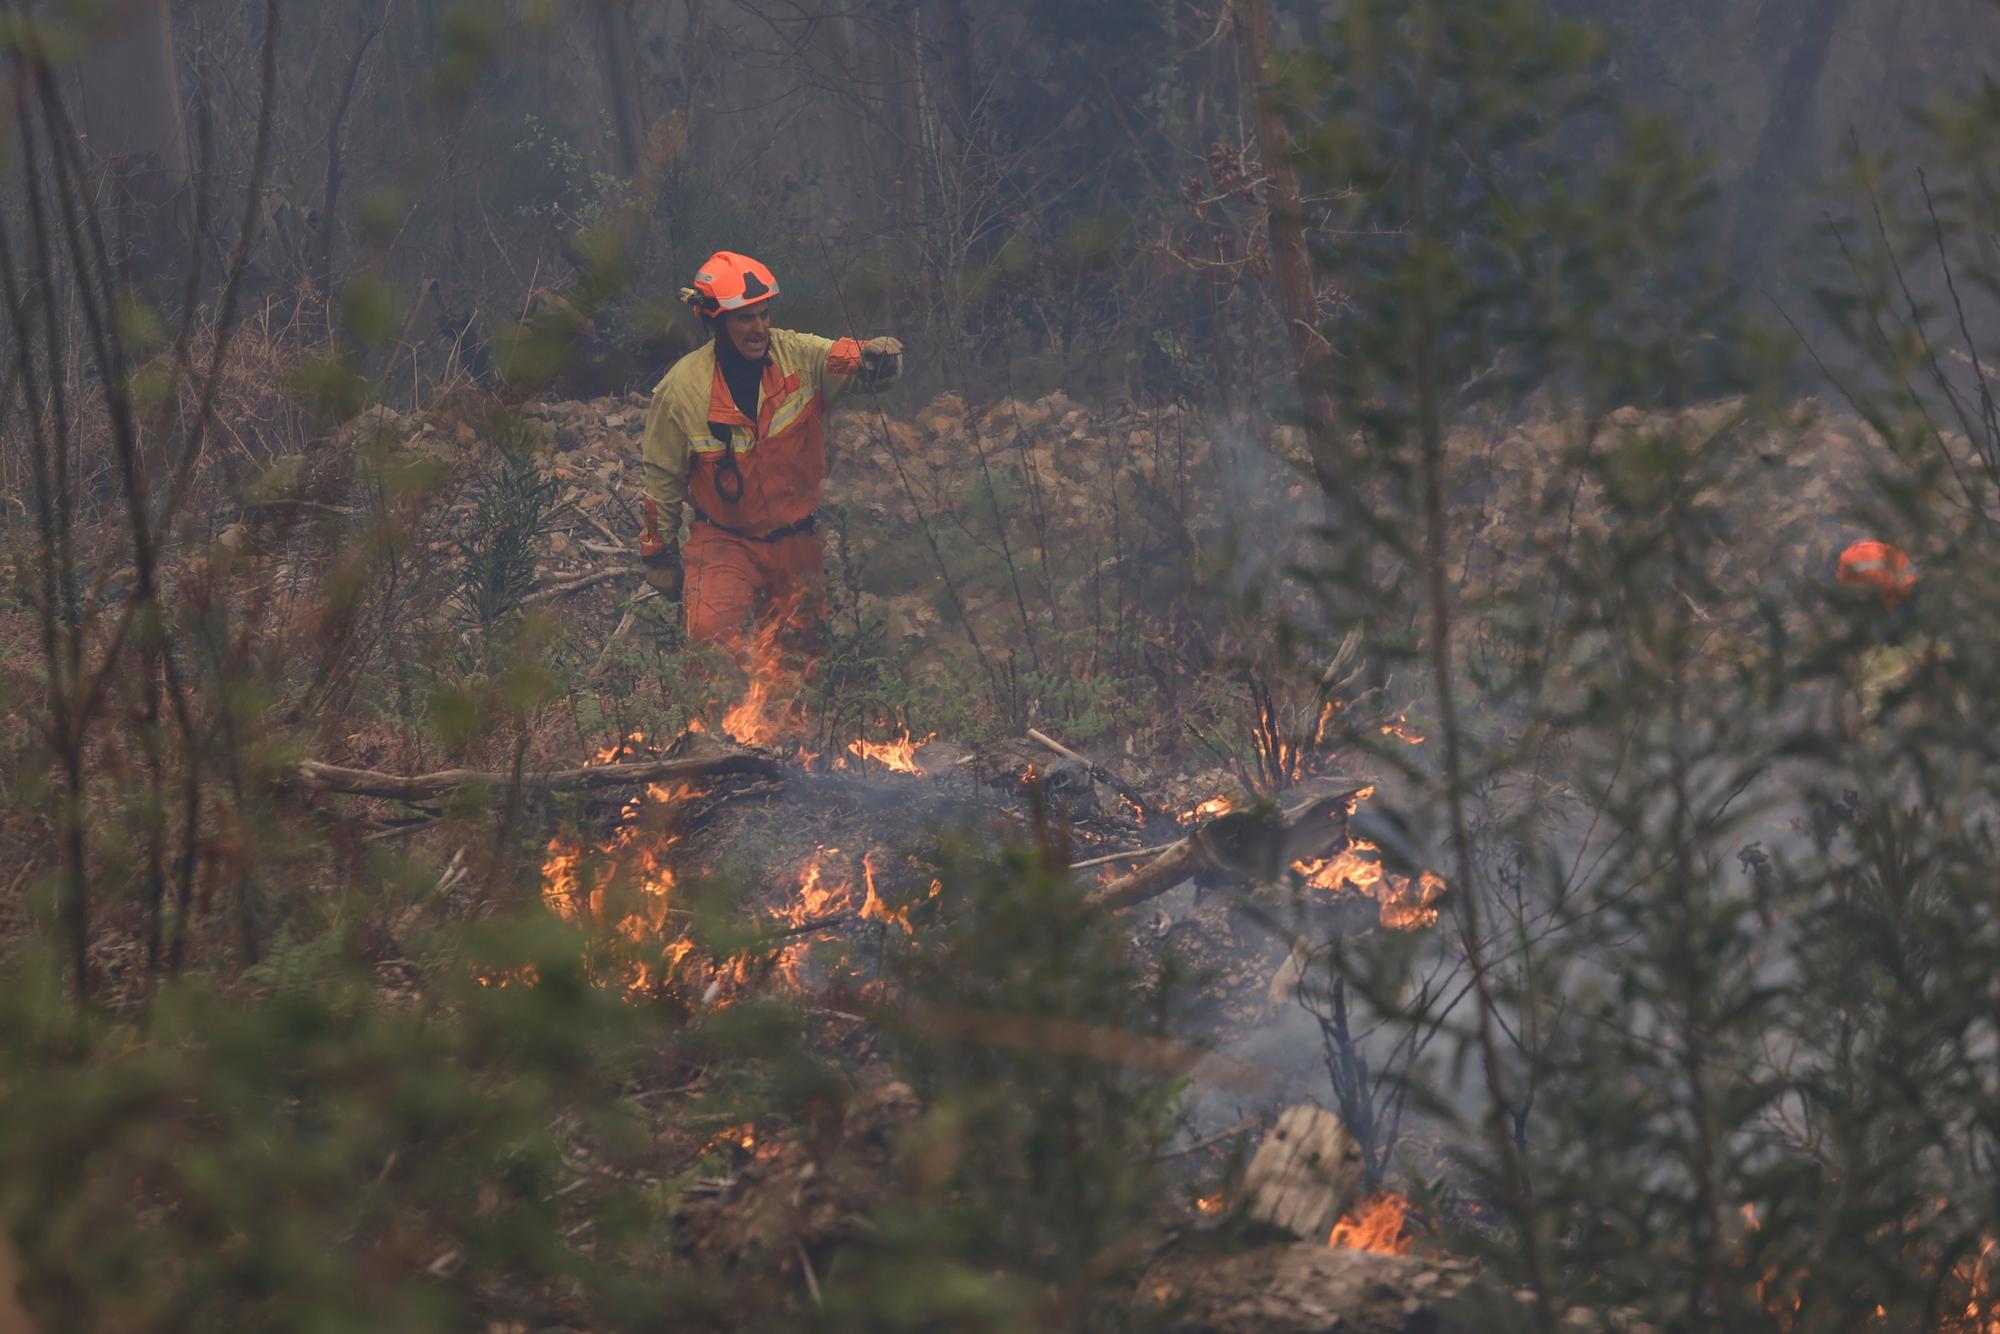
(1254, 845)
(718, 760)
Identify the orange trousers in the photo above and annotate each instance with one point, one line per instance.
(737, 584)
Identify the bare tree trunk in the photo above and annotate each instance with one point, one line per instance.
(132, 116)
(1787, 153)
(1292, 261)
(326, 270)
(957, 61)
(614, 53)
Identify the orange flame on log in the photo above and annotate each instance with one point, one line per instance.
(1405, 905)
(1208, 810)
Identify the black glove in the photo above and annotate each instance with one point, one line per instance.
(664, 572)
(881, 362)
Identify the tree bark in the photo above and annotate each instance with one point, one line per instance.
(325, 272)
(132, 118)
(1788, 152)
(614, 48)
(1292, 265)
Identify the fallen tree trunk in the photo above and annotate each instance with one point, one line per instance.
(1255, 845)
(691, 759)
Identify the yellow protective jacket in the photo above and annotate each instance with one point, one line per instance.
(751, 477)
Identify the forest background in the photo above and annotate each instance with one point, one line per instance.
(1461, 401)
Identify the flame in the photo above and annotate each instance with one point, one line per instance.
(1409, 908)
(1975, 1277)
(899, 755)
(825, 890)
(577, 884)
(1982, 1286)
(1357, 868)
(771, 707)
(1375, 1224)
(874, 909)
(1326, 713)
(1208, 810)
(1210, 1204)
(817, 898)
(1400, 729)
(1404, 905)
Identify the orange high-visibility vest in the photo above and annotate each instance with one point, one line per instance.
(694, 432)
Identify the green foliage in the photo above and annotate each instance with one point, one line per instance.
(312, 1155)
(1716, 926)
(499, 550)
(1038, 1053)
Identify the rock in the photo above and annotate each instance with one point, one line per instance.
(379, 422)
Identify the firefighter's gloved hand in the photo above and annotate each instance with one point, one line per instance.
(881, 362)
(664, 573)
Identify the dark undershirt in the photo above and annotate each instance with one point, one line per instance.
(745, 378)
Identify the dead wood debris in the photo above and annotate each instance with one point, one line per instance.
(693, 758)
(1256, 844)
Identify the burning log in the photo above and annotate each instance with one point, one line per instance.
(1306, 1173)
(1256, 844)
(692, 758)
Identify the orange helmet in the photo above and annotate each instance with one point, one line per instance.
(1878, 567)
(729, 281)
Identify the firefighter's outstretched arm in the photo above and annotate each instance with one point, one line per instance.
(664, 451)
(849, 363)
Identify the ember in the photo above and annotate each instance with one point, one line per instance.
(1376, 1224)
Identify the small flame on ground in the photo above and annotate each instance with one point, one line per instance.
(1210, 1204)
(899, 756)
(1375, 1224)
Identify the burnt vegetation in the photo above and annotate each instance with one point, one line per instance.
(1343, 787)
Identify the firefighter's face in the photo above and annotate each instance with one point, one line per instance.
(749, 331)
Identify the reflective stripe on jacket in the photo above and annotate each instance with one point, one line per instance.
(694, 429)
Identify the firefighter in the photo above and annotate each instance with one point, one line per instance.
(1899, 654)
(737, 434)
